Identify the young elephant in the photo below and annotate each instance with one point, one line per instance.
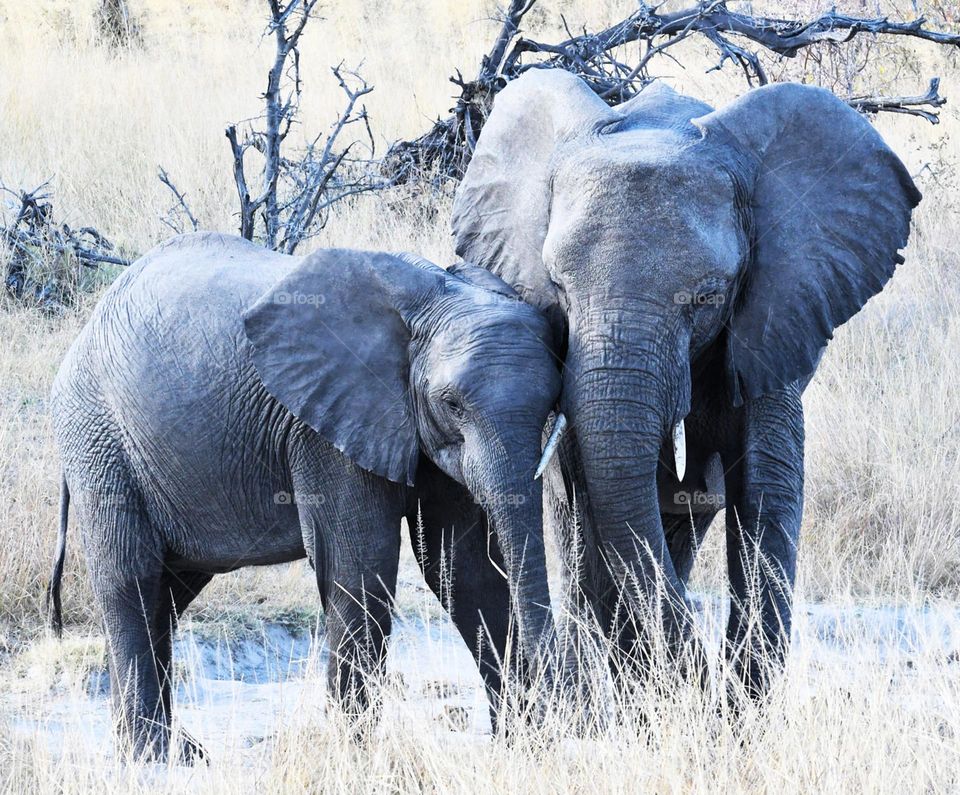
(227, 406)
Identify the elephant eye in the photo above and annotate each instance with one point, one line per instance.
(452, 402)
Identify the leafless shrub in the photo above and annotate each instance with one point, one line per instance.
(289, 201)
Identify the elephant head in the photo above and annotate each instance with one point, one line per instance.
(389, 358)
(660, 234)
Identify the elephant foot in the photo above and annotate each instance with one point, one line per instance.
(162, 749)
(567, 709)
(190, 751)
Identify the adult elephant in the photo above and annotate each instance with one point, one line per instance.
(697, 262)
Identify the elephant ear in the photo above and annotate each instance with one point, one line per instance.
(501, 210)
(330, 342)
(831, 206)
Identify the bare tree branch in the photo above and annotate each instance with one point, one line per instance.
(785, 37)
(322, 179)
(296, 190)
(171, 217)
(247, 206)
(445, 149)
(490, 66)
(909, 105)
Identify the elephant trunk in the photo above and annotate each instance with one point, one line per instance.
(514, 504)
(628, 387)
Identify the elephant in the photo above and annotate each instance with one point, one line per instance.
(694, 263)
(229, 406)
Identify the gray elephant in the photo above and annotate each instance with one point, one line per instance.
(227, 406)
(695, 263)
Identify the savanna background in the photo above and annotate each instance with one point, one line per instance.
(880, 555)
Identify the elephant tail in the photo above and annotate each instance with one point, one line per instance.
(53, 589)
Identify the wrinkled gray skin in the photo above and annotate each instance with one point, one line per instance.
(226, 406)
(697, 262)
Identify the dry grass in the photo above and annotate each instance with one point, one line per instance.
(855, 722)
(883, 416)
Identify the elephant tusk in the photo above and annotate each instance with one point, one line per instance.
(558, 428)
(493, 563)
(680, 449)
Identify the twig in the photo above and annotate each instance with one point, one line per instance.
(180, 206)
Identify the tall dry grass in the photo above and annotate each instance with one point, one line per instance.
(883, 414)
(876, 716)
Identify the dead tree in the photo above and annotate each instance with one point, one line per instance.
(446, 148)
(289, 200)
(42, 255)
(296, 191)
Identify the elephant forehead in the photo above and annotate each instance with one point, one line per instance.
(644, 169)
(629, 202)
(511, 374)
(462, 328)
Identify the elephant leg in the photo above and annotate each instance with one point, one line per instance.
(125, 559)
(351, 533)
(764, 508)
(358, 599)
(684, 535)
(177, 591)
(451, 541)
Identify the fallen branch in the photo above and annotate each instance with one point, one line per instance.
(784, 37)
(32, 239)
(446, 148)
